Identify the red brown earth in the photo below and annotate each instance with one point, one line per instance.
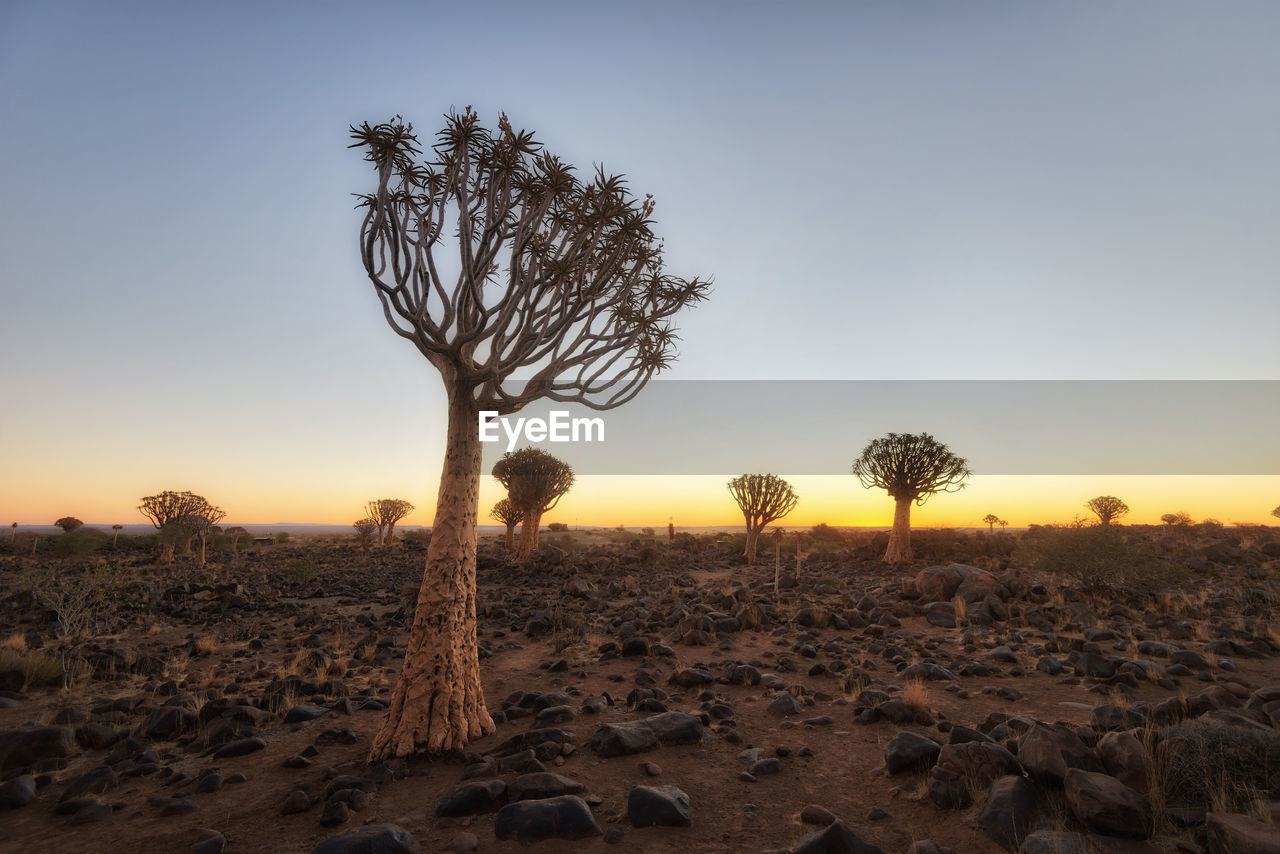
(548, 626)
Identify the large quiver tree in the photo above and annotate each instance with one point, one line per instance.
(553, 278)
(535, 483)
(910, 468)
(763, 499)
(1108, 508)
(385, 513)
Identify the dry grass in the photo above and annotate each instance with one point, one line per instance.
(207, 645)
(16, 641)
(155, 629)
(36, 667)
(962, 610)
(915, 693)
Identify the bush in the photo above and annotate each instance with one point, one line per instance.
(1208, 764)
(557, 527)
(36, 668)
(80, 542)
(417, 538)
(298, 570)
(564, 541)
(1102, 559)
(283, 537)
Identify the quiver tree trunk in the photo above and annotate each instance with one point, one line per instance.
(511, 538)
(750, 551)
(900, 537)
(438, 702)
(529, 534)
(391, 533)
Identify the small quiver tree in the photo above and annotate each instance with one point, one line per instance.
(910, 468)
(535, 483)
(202, 524)
(386, 512)
(506, 512)
(364, 531)
(169, 512)
(69, 524)
(992, 520)
(763, 499)
(1107, 508)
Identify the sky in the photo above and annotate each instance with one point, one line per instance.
(889, 191)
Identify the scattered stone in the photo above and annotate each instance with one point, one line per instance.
(473, 799)
(661, 806)
(1106, 805)
(814, 814)
(20, 748)
(1008, 811)
(836, 838)
(565, 817)
(371, 839)
(910, 751)
(240, 747)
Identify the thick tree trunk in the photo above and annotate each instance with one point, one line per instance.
(528, 535)
(438, 702)
(511, 538)
(750, 551)
(202, 542)
(391, 533)
(900, 538)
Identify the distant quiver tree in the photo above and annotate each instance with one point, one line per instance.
(763, 499)
(509, 515)
(535, 483)
(1107, 508)
(910, 467)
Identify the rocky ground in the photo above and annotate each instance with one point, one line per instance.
(649, 697)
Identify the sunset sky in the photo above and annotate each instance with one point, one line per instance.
(881, 190)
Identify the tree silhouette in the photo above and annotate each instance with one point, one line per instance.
(364, 531)
(115, 534)
(69, 524)
(1002, 523)
(1275, 512)
(234, 535)
(385, 512)
(762, 498)
(13, 532)
(910, 468)
(204, 523)
(556, 279)
(169, 512)
(1180, 519)
(992, 520)
(535, 482)
(510, 515)
(1107, 508)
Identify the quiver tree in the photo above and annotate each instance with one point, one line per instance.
(235, 534)
(554, 278)
(115, 534)
(169, 512)
(364, 531)
(992, 520)
(1179, 519)
(535, 482)
(69, 524)
(762, 498)
(1275, 512)
(1107, 508)
(910, 468)
(385, 512)
(13, 531)
(202, 524)
(509, 515)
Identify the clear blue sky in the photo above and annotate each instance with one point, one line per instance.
(881, 190)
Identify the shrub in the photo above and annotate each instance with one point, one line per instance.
(417, 537)
(557, 527)
(36, 668)
(1208, 764)
(283, 537)
(648, 532)
(80, 542)
(1102, 559)
(298, 570)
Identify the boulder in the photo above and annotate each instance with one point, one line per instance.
(371, 839)
(1104, 804)
(660, 806)
(565, 817)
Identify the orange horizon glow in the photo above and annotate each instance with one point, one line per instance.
(688, 500)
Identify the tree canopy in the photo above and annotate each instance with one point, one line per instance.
(535, 480)
(1108, 508)
(911, 467)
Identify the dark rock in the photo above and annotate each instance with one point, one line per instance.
(93, 782)
(1008, 811)
(335, 812)
(18, 792)
(20, 748)
(835, 838)
(295, 802)
(168, 722)
(785, 704)
(213, 843)
(815, 814)
(661, 806)
(304, 712)
(537, 786)
(241, 747)
(910, 751)
(1230, 833)
(1124, 758)
(565, 817)
(371, 839)
(473, 799)
(967, 767)
(1106, 805)
(1048, 750)
(90, 813)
